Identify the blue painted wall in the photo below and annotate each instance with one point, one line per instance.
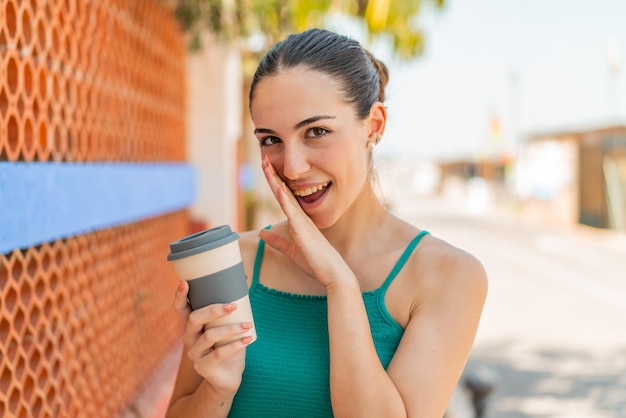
(41, 202)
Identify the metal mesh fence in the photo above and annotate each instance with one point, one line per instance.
(84, 320)
(88, 80)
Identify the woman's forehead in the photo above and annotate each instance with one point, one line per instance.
(296, 95)
(301, 77)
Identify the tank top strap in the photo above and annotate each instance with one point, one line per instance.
(400, 263)
(257, 261)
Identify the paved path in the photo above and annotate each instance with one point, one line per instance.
(553, 331)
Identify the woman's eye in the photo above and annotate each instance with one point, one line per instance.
(268, 140)
(317, 132)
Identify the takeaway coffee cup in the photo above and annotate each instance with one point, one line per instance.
(210, 261)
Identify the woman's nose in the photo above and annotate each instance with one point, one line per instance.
(295, 161)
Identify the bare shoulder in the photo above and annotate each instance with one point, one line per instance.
(248, 240)
(443, 268)
(249, 246)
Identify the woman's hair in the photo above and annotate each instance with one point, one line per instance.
(361, 76)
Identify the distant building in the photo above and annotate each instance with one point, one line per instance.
(575, 177)
(479, 184)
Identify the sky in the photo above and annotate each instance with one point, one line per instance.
(535, 66)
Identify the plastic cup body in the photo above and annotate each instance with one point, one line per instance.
(210, 261)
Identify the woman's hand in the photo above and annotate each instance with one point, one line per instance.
(309, 249)
(220, 364)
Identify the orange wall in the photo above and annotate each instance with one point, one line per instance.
(85, 319)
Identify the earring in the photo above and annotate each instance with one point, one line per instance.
(372, 144)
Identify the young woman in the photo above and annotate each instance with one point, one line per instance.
(358, 313)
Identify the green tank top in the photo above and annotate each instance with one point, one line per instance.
(287, 371)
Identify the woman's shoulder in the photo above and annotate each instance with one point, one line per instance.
(250, 239)
(436, 265)
(435, 273)
(442, 267)
(249, 242)
(443, 254)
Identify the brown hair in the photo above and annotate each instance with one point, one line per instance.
(362, 77)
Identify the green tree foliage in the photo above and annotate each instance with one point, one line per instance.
(237, 20)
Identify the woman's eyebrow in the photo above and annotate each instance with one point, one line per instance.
(297, 126)
(311, 120)
(264, 131)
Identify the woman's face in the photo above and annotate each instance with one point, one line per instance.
(314, 139)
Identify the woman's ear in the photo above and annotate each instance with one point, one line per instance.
(377, 121)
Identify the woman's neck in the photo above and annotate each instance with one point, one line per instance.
(361, 222)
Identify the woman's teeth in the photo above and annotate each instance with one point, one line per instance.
(310, 190)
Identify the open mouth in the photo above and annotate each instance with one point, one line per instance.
(311, 194)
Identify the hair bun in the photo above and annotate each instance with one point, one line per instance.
(383, 74)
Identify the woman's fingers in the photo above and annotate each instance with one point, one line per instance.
(212, 339)
(198, 319)
(273, 180)
(287, 201)
(181, 306)
(211, 312)
(306, 239)
(290, 205)
(285, 198)
(223, 366)
(275, 241)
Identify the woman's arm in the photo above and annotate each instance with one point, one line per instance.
(209, 375)
(432, 353)
(193, 397)
(438, 339)
(359, 385)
